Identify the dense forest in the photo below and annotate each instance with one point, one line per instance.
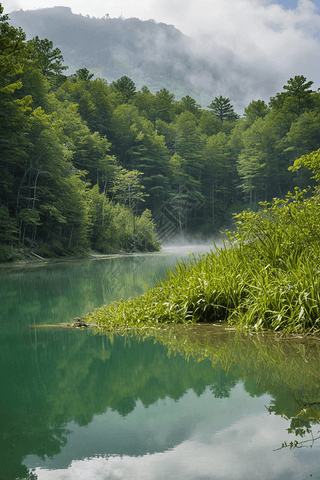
(87, 164)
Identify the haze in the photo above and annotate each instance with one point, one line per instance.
(260, 42)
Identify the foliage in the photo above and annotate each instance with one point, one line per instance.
(125, 87)
(265, 279)
(222, 109)
(76, 142)
(47, 58)
(51, 160)
(299, 89)
(311, 161)
(256, 109)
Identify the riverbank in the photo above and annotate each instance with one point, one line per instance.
(265, 278)
(30, 259)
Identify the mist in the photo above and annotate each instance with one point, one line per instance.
(254, 46)
(243, 49)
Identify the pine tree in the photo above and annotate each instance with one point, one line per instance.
(222, 109)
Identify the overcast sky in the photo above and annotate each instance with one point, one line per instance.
(189, 16)
(269, 40)
(160, 10)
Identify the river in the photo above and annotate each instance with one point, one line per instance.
(200, 403)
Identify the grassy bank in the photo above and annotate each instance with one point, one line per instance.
(266, 277)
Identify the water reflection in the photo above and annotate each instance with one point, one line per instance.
(83, 401)
(184, 403)
(58, 292)
(242, 450)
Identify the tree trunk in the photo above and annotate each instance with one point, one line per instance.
(70, 239)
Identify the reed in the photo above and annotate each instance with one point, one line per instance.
(266, 276)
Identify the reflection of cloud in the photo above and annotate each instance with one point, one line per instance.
(224, 442)
(243, 450)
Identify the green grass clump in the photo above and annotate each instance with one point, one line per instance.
(266, 277)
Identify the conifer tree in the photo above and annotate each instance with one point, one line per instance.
(222, 109)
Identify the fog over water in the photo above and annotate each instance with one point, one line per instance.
(185, 246)
(254, 46)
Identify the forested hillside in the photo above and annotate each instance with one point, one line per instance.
(87, 164)
(150, 53)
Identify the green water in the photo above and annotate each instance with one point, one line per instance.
(198, 403)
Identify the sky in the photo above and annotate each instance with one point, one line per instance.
(165, 11)
(256, 44)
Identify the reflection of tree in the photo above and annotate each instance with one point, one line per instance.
(222, 388)
(30, 476)
(55, 376)
(59, 292)
(288, 369)
(301, 424)
(26, 421)
(62, 375)
(302, 421)
(125, 406)
(302, 444)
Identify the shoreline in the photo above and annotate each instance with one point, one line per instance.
(41, 262)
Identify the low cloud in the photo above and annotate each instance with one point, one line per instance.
(254, 46)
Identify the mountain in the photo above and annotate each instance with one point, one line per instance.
(150, 53)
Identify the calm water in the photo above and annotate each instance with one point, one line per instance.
(200, 403)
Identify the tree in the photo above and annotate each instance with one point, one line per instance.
(188, 104)
(179, 204)
(47, 161)
(14, 112)
(310, 161)
(93, 98)
(262, 146)
(222, 109)
(256, 109)
(189, 148)
(47, 58)
(164, 104)
(190, 144)
(83, 74)
(126, 87)
(209, 124)
(299, 89)
(126, 136)
(304, 135)
(297, 98)
(74, 204)
(145, 101)
(127, 188)
(250, 171)
(139, 147)
(13, 56)
(169, 133)
(219, 179)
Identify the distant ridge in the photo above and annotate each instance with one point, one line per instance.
(150, 53)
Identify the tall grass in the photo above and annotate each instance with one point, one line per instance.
(266, 277)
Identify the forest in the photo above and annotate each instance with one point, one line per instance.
(91, 165)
